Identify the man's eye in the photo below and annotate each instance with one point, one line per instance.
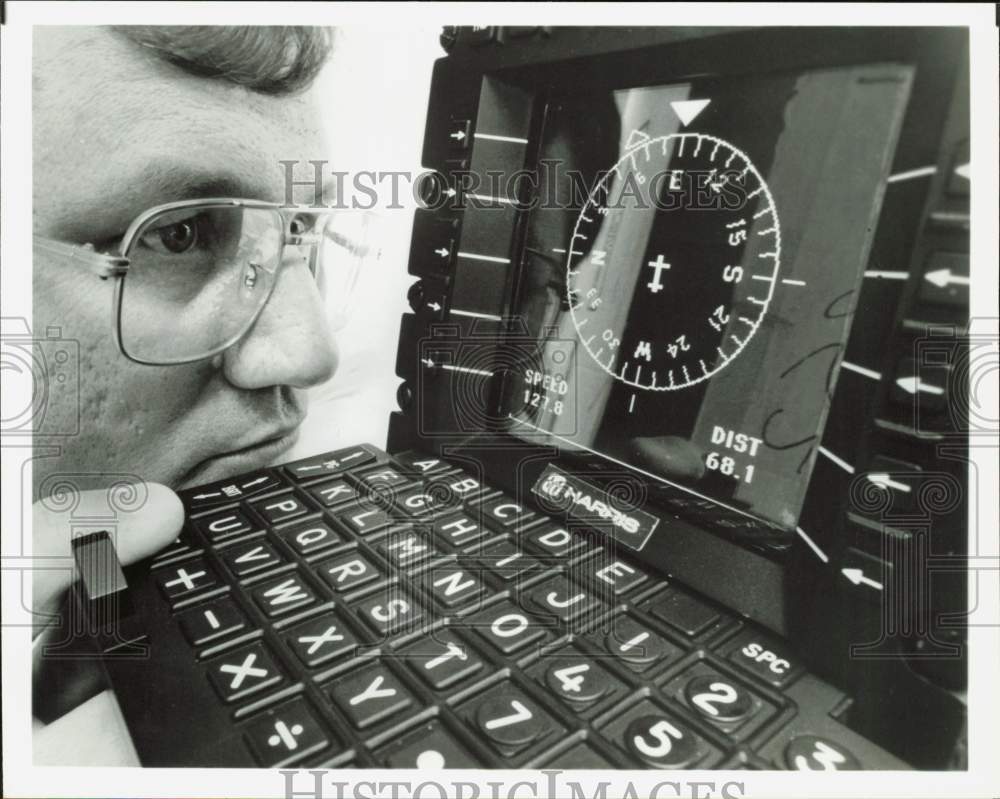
(302, 224)
(175, 238)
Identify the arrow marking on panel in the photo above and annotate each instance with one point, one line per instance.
(944, 277)
(887, 275)
(915, 384)
(857, 577)
(687, 110)
(883, 480)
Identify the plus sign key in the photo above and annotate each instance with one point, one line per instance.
(182, 580)
(286, 734)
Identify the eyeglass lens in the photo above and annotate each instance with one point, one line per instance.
(199, 276)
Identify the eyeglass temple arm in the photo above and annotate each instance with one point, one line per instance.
(103, 265)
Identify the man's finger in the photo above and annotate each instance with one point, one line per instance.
(150, 519)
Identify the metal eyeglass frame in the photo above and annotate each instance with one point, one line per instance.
(107, 266)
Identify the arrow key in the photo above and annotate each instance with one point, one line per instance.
(330, 463)
(898, 478)
(922, 387)
(229, 490)
(946, 279)
(867, 575)
(458, 134)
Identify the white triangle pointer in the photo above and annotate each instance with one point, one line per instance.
(687, 110)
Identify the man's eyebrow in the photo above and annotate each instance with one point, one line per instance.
(170, 184)
(106, 211)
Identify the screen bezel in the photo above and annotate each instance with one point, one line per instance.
(650, 57)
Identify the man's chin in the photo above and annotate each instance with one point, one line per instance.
(229, 464)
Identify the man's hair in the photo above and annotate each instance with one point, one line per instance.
(269, 60)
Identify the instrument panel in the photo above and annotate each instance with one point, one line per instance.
(694, 309)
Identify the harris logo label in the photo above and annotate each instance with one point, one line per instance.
(592, 505)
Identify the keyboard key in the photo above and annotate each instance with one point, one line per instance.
(230, 490)
(459, 530)
(452, 586)
(321, 639)
(719, 699)
(421, 501)
(578, 680)
(282, 595)
(559, 598)
(184, 580)
(419, 463)
(347, 572)
(507, 627)
(557, 542)
(457, 487)
(370, 695)
(332, 493)
(310, 537)
(211, 622)
(255, 556)
(812, 753)
(507, 560)
(365, 519)
(682, 612)
(655, 737)
(382, 477)
(328, 464)
(442, 659)
(636, 646)
(509, 720)
(764, 658)
(390, 612)
(431, 746)
(280, 509)
(285, 734)
(227, 524)
(614, 577)
(502, 513)
(243, 672)
(405, 548)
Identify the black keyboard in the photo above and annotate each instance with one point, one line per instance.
(357, 610)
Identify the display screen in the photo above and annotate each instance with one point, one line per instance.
(692, 273)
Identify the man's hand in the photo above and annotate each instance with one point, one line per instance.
(139, 528)
(137, 532)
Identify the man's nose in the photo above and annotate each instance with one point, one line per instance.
(290, 343)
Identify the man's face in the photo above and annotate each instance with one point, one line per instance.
(116, 131)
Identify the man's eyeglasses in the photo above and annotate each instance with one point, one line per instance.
(193, 276)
